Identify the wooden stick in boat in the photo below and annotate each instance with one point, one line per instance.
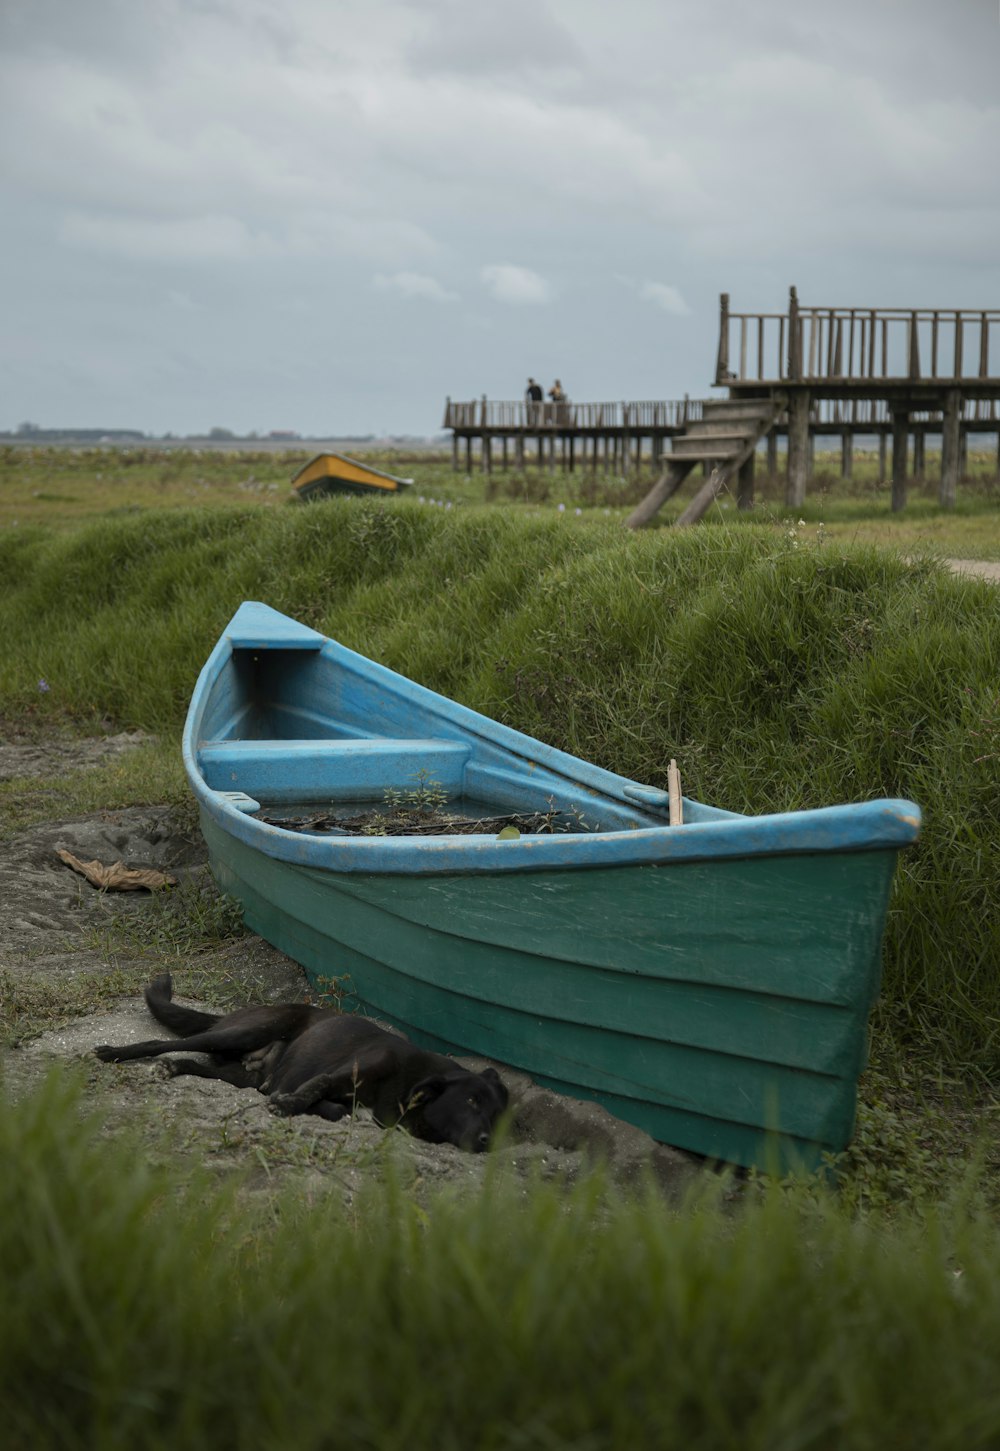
(674, 789)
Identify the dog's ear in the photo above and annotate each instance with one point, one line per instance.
(493, 1077)
(426, 1089)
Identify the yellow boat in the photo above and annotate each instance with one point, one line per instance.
(335, 473)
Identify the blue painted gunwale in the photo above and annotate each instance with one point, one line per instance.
(363, 726)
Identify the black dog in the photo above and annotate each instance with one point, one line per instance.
(316, 1060)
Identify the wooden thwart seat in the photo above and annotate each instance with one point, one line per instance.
(345, 770)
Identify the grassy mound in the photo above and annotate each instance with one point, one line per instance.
(779, 676)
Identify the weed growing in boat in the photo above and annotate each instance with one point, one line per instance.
(405, 807)
(428, 795)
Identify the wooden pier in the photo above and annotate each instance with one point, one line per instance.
(612, 436)
(891, 373)
(490, 434)
(915, 365)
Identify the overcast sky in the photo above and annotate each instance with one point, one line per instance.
(326, 215)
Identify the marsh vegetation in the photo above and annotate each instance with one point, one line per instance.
(784, 665)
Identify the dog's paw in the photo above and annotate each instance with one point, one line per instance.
(283, 1105)
(164, 1068)
(106, 1053)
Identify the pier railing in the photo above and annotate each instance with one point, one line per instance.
(853, 344)
(855, 413)
(498, 416)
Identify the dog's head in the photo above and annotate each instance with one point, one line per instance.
(456, 1108)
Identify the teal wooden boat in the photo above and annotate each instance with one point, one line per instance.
(710, 982)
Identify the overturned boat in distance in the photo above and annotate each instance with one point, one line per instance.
(335, 473)
(709, 981)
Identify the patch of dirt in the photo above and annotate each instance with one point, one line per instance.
(979, 568)
(54, 951)
(56, 757)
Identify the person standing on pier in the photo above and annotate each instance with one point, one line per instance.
(533, 396)
(559, 401)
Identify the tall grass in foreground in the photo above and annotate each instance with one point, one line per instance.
(139, 1315)
(780, 676)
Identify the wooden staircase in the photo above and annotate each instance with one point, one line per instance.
(723, 438)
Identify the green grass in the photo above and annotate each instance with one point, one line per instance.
(141, 1315)
(781, 674)
(61, 487)
(782, 670)
(151, 772)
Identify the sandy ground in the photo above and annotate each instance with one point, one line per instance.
(981, 569)
(53, 940)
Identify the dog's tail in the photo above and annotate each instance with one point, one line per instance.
(185, 1021)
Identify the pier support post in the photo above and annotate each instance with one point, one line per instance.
(949, 449)
(772, 455)
(919, 452)
(846, 454)
(883, 443)
(900, 439)
(744, 483)
(798, 448)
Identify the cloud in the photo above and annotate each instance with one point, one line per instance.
(666, 297)
(518, 36)
(278, 160)
(182, 301)
(186, 239)
(413, 284)
(516, 285)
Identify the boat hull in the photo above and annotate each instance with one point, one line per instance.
(666, 995)
(710, 983)
(335, 473)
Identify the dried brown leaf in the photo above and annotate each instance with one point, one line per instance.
(117, 877)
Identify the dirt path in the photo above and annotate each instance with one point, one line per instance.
(73, 958)
(980, 568)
